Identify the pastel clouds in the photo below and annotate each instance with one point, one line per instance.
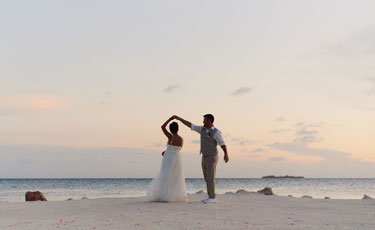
(171, 88)
(242, 91)
(277, 159)
(25, 103)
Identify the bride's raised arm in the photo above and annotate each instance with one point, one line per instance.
(165, 131)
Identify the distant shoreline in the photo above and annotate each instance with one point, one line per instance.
(272, 176)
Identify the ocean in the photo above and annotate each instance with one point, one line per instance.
(13, 190)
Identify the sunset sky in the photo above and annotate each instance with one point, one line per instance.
(86, 85)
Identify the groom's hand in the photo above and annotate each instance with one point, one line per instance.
(226, 158)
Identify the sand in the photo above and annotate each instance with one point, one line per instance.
(233, 211)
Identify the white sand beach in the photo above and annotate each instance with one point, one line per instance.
(233, 211)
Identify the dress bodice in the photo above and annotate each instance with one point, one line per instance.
(173, 148)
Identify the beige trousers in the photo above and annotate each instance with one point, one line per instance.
(209, 172)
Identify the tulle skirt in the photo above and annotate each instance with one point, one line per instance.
(169, 186)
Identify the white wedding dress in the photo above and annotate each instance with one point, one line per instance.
(169, 186)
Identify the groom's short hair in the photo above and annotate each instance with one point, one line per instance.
(209, 117)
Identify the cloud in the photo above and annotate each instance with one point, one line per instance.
(371, 91)
(278, 130)
(27, 103)
(65, 162)
(277, 159)
(280, 119)
(305, 135)
(158, 144)
(106, 99)
(241, 141)
(358, 46)
(304, 132)
(171, 88)
(196, 141)
(241, 91)
(333, 163)
(258, 150)
(304, 149)
(308, 133)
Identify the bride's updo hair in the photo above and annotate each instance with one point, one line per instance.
(173, 127)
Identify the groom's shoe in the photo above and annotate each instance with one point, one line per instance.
(205, 200)
(209, 201)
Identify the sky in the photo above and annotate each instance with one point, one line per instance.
(86, 85)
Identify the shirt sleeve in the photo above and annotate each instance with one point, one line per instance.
(196, 128)
(219, 138)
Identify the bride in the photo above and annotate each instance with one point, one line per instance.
(169, 186)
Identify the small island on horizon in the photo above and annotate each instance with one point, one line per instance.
(287, 176)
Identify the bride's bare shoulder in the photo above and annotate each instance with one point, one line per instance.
(178, 141)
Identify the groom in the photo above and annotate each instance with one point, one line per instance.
(210, 138)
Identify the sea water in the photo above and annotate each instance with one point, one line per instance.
(13, 190)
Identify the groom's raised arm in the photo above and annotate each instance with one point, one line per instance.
(185, 122)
